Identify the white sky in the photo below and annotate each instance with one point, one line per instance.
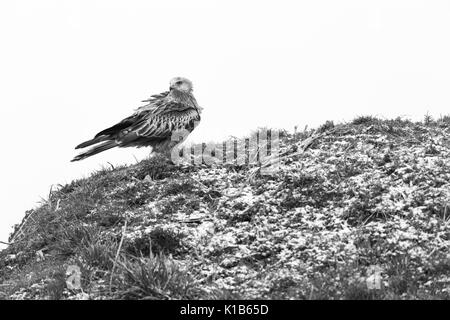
(70, 68)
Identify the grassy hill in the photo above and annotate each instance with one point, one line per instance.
(359, 210)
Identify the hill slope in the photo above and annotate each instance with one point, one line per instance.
(359, 211)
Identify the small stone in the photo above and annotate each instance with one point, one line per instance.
(40, 255)
(10, 257)
(229, 263)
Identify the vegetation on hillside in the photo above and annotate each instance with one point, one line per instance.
(358, 210)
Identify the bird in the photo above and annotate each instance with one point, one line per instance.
(153, 124)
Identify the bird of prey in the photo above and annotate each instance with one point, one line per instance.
(152, 124)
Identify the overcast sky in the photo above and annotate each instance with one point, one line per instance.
(70, 68)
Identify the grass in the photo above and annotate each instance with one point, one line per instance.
(155, 277)
(368, 193)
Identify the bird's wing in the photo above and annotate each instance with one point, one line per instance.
(140, 114)
(125, 123)
(161, 124)
(111, 132)
(158, 119)
(156, 97)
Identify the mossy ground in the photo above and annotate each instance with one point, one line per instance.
(370, 194)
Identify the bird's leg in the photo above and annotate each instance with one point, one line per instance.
(162, 157)
(167, 154)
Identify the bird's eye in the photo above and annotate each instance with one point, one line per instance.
(178, 82)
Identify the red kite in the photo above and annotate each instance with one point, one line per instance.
(152, 124)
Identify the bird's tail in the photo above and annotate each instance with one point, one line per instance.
(91, 142)
(94, 150)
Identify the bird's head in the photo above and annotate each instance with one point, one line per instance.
(181, 84)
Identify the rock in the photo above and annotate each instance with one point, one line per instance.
(229, 263)
(40, 255)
